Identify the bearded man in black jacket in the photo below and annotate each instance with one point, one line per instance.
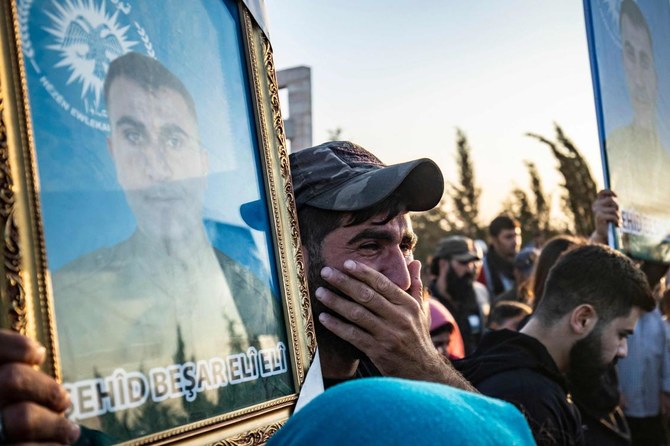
(591, 302)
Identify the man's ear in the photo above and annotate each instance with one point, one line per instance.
(583, 319)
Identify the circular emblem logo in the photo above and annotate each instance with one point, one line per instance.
(69, 45)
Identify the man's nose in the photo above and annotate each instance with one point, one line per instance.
(622, 351)
(156, 162)
(640, 78)
(396, 269)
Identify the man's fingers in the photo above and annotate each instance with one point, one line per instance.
(26, 422)
(357, 290)
(356, 336)
(381, 284)
(610, 214)
(351, 311)
(606, 193)
(19, 348)
(21, 382)
(416, 285)
(608, 203)
(365, 285)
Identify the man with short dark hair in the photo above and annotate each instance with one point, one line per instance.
(592, 300)
(498, 269)
(164, 298)
(358, 241)
(453, 269)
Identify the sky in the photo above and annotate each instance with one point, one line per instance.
(399, 80)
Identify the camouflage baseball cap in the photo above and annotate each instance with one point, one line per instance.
(343, 176)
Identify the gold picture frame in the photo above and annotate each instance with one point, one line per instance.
(44, 261)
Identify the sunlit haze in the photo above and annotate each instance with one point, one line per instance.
(398, 77)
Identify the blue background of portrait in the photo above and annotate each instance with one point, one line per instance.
(83, 206)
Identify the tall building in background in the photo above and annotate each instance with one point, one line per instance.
(298, 124)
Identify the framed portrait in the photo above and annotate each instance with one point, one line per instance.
(629, 47)
(150, 237)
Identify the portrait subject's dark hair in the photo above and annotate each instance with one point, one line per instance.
(148, 73)
(550, 253)
(632, 12)
(502, 222)
(596, 275)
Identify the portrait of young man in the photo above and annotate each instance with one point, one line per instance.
(162, 328)
(635, 59)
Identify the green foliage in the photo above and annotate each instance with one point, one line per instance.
(532, 212)
(580, 188)
(465, 195)
(458, 211)
(431, 227)
(540, 222)
(520, 207)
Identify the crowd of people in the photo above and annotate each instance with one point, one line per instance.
(613, 409)
(564, 343)
(541, 328)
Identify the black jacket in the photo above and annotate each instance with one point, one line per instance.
(517, 368)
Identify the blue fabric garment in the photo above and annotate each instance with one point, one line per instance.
(391, 411)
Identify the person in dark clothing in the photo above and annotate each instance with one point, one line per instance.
(453, 268)
(518, 368)
(603, 420)
(498, 269)
(509, 314)
(524, 265)
(592, 300)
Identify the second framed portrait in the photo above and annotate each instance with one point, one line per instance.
(629, 45)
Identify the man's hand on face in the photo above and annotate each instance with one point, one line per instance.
(385, 322)
(31, 403)
(605, 210)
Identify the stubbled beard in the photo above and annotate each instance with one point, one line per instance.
(326, 338)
